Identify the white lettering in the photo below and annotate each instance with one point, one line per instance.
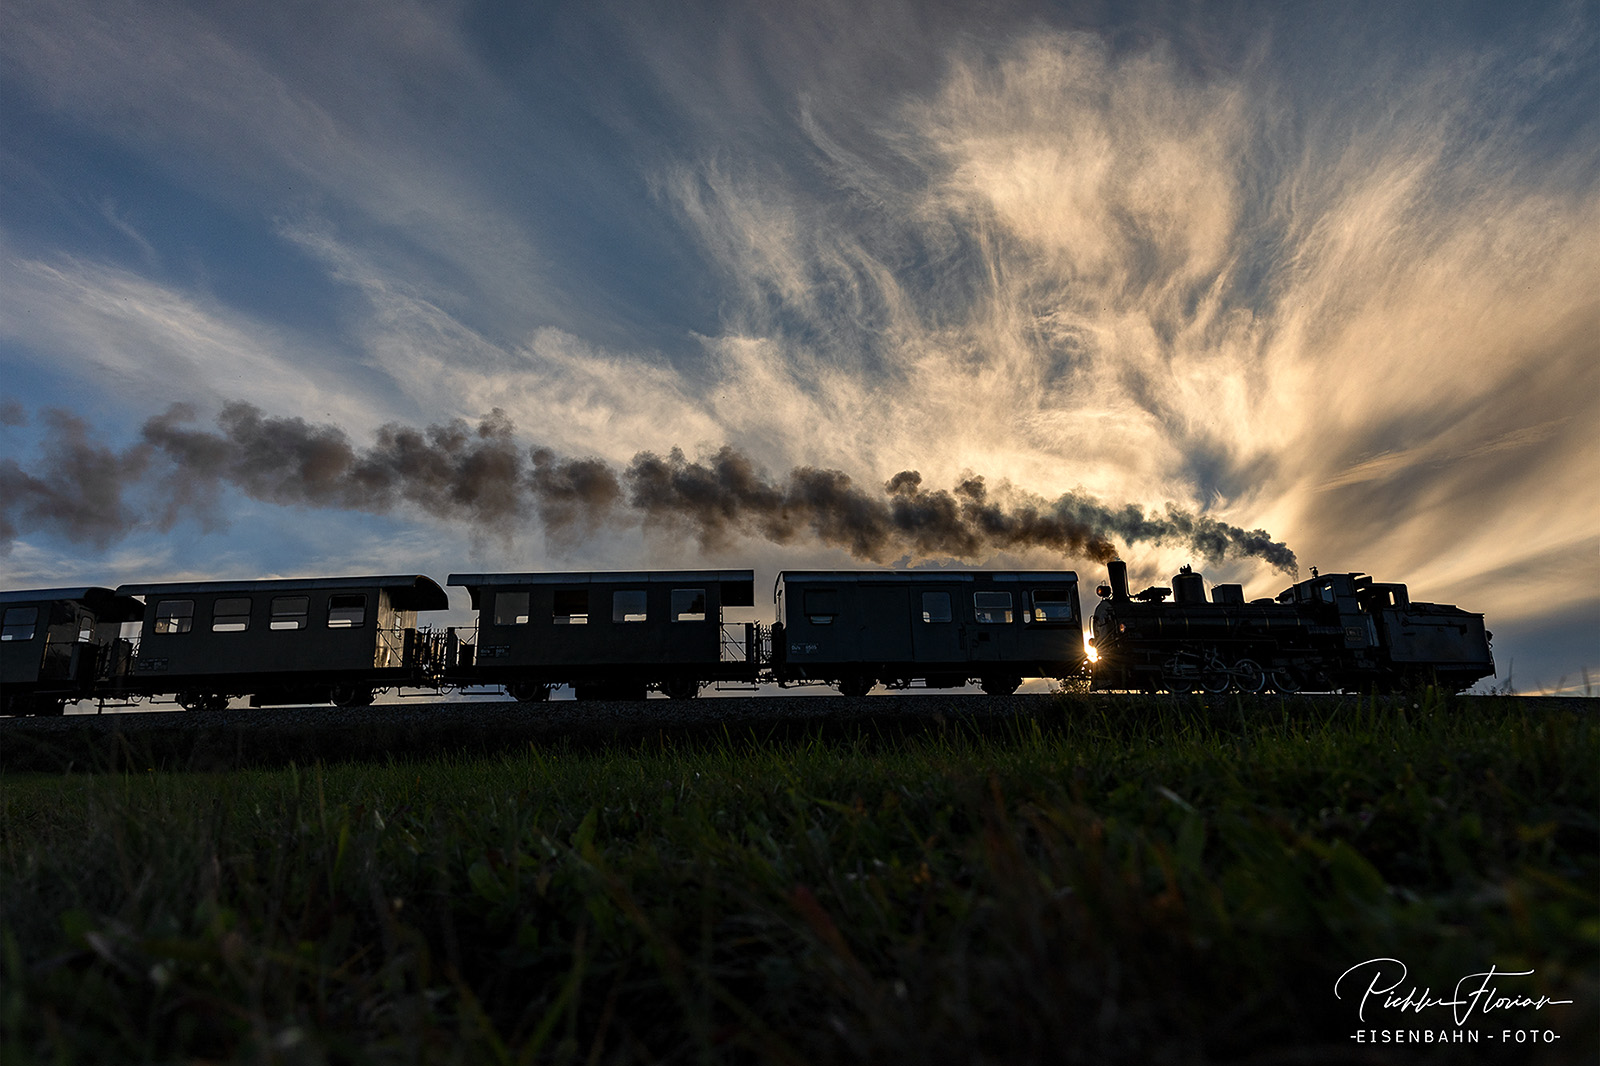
(1383, 977)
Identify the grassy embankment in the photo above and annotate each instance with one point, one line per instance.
(1183, 883)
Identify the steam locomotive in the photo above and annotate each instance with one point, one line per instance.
(1333, 631)
(621, 635)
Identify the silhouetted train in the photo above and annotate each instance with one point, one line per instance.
(1334, 631)
(620, 635)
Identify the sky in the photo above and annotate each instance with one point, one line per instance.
(308, 289)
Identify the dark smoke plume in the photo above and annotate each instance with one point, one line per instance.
(480, 475)
(726, 495)
(79, 495)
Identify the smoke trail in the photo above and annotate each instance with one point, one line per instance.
(480, 475)
(80, 494)
(725, 496)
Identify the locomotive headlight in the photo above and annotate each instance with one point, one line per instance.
(1089, 650)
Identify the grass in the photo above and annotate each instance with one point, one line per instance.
(1182, 883)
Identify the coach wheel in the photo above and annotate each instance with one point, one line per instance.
(681, 688)
(214, 701)
(528, 691)
(1000, 686)
(855, 685)
(350, 695)
(1249, 676)
(192, 701)
(1286, 680)
(49, 708)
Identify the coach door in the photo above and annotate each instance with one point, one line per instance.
(69, 643)
(938, 634)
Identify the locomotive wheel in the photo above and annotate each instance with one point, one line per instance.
(1286, 680)
(1000, 686)
(855, 685)
(350, 695)
(191, 701)
(681, 688)
(1215, 682)
(528, 691)
(1248, 675)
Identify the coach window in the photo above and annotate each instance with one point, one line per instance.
(993, 608)
(511, 609)
(19, 623)
(230, 615)
(347, 610)
(86, 629)
(822, 606)
(628, 605)
(571, 607)
(688, 605)
(936, 607)
(1052, 605)
(174, 616)
(289, 612)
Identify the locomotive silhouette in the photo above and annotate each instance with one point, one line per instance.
(1333, 631)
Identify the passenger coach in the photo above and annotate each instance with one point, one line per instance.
(940, 628)
(610, 635)
(311, 640)
(58, 646)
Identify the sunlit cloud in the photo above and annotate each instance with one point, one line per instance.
(1129, 298)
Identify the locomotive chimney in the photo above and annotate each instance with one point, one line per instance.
(1119, 579)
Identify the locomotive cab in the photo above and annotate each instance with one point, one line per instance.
(1333, 601)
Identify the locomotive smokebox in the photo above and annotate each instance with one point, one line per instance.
(1119, 579)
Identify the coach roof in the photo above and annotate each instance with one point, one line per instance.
(108, 605)
(736, 588)
(903, 577)
(606, 577)
(407, 592)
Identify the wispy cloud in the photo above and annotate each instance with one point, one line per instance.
(308, 108)
(108, 328)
